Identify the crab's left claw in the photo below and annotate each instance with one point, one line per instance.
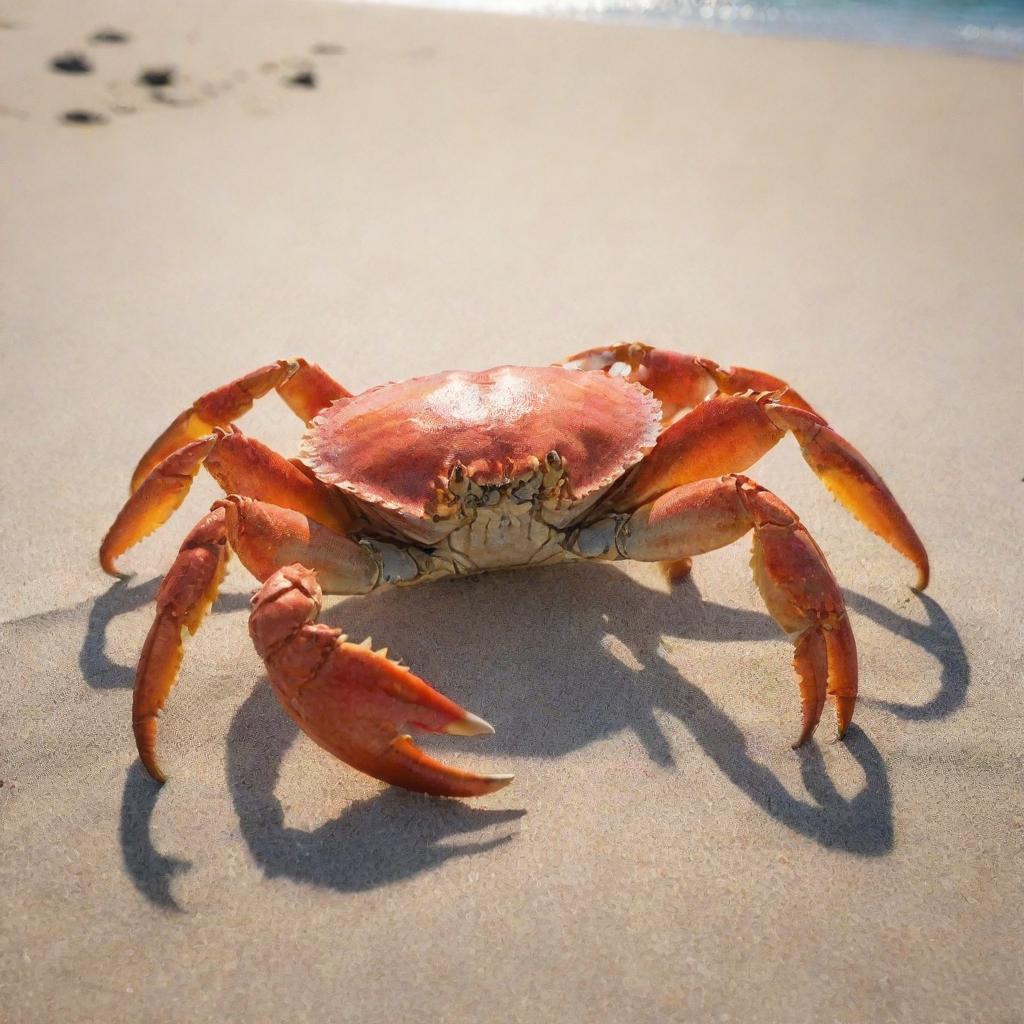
(353, 701)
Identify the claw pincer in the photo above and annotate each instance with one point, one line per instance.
(354, 701)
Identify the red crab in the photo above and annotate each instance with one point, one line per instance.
(620, 452)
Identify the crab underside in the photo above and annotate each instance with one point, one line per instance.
(620, 452)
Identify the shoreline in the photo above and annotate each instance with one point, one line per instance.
(915, 32)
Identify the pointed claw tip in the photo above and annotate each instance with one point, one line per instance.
(471, 725)
(922, 578)
(802, 738)
(154, 771)
(499, 781)
(109, 566)
(844, 713)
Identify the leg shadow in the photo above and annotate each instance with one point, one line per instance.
(939, 637)
(861, 825)
(98, 670)
(548, 697)
(151, 872)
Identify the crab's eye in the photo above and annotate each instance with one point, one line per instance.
(553, 459)
(458, 473)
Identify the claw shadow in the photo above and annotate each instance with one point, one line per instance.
(389, 836)
(547, 696)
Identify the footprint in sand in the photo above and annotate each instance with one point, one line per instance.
(302, 80)
(109, 35)
(71, 64)
(82, 117)
(156, 78)
(160, 78)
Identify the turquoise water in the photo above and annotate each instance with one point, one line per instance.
(987, 28)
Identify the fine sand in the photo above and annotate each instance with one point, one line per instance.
(433, 190)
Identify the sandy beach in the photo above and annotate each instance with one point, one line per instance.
(392, 192)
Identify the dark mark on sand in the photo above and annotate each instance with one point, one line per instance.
(159, 96)
(109, 35)
(71, 64)
(327, 50)
(156, 78)
(82, 117)
(302, 80)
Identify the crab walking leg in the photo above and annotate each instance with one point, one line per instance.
(241, 465)
(306, 388)
(854, 483)
(677, 569)
(735, 380)
(263, 536)
(353, 701)
(154, 501)
(676, 379)
(266, 536)
(680, 381)
(729, 433)
(186, 594)
(790, 571)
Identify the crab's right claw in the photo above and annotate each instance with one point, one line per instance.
(353, 701)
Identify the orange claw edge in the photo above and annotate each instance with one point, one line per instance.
(354, 701)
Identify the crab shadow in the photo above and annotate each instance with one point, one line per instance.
(556, 662)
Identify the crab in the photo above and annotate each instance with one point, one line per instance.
(620, 452)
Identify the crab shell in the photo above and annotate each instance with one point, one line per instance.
(393, 445)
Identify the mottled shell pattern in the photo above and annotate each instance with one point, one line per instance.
(392, 445)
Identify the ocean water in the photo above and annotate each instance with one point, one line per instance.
(993, 28)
